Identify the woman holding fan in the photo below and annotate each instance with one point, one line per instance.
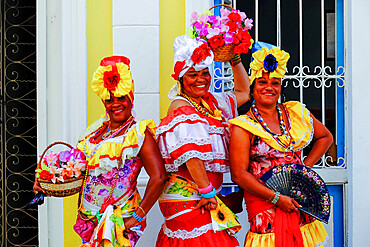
(269, 135)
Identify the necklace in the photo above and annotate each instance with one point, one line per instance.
(110, 132)
(115, 133)
(284, 132)
(208, 112)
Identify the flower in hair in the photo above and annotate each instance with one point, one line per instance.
(273, 61)
(111, 79)
(270, 63)
(201, 53)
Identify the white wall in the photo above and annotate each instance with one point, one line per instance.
(358, 52)
(61, 92)
(136, 36)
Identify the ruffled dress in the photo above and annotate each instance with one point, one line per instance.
(266, 153)
(182, 135)
(113, 161)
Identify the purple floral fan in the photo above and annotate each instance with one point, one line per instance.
(303, 185)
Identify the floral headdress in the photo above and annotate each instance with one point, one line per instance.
(189, 53)
(271, 60)
(113, 75)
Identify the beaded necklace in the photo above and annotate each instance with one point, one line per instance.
(208, 112)
(284, 131)
(127, 124)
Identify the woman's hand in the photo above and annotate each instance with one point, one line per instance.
(287, 204)
(208, 204)
(130, 222)
(37, 188)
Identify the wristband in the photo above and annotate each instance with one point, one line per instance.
(142, 210)
(206, 189)
(235, 60)
(276, 198)
(137, 217)
(210, 194)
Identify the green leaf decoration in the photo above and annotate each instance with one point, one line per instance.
(186, 193)
(175, 188)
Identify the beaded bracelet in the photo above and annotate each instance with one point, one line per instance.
(209, 194)
(276, 198)
(137, 217)
(235, 60)
(206, 189)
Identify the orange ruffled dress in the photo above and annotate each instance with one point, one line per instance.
(269, 225)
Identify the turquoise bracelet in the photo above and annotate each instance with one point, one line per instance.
(209, 194)
(276, 198)
(137, 217)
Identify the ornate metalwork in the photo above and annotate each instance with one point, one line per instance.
(18, 153)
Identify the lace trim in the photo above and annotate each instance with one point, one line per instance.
(213, 167)
(183, 234)
(187, 140)
(183, 118)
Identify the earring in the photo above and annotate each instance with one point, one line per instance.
(178, 87)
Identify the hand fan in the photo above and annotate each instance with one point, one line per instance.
(303, 185)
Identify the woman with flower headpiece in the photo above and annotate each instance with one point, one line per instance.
(269, 135)
(116, 147)
(193, 140)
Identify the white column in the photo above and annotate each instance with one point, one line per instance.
(61, 92)
(358, 53)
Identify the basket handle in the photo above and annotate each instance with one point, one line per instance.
(48, 147)
(219, 5)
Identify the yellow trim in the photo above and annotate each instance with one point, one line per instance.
(172, 24)
(99, 45)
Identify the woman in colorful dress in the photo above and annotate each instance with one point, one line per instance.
(272, 134)
(116, 147)
(193, 140)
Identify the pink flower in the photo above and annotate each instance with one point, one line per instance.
(228, 37)
(203, 18)
(212, 32)
(194, 15)
(224, 12)
(248, 24)
(201, 29)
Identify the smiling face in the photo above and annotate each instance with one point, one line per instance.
(118, 109)
(196, 83)
(266, 90)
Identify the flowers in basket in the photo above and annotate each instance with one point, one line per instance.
(60, 166)
(231, 28)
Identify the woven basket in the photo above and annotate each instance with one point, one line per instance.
(223, 53)
(69, 187)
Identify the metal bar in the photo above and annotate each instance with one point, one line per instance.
(278, 23)
(300, 51)
(323, 158)
(256, 20)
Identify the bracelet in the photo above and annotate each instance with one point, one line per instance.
(210, 194)
(137, 217)
(206, 189)
(235, 60)
(269, 200)
(276, 198)
(142, 210)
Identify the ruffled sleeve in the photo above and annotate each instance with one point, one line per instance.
(187, 134)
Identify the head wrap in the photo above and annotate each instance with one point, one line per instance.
(113, 75)
(271, 60)
(189, 53)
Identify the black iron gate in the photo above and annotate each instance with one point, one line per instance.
(18, 156)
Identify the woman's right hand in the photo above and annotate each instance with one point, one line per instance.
(208, 204)
(287, 204)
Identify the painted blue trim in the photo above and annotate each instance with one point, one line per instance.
(340, 90)
(218, 84)
(337, 214)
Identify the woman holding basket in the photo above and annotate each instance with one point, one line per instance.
(269, 135)
(193, 140)
(111, 211)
